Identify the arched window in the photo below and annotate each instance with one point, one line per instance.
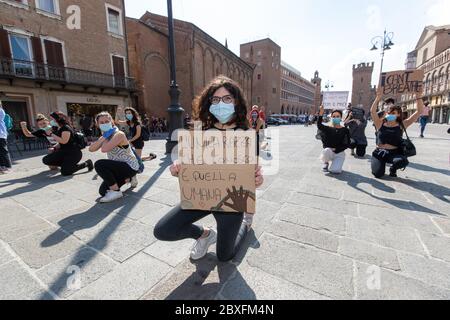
(282, 109)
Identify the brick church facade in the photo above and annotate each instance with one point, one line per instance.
(199, 58)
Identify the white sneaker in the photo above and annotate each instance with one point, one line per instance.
(111, 196)
(200, 248)
(134, 182)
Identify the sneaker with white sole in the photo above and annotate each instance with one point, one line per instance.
(111, 196)
(134, 182)
(200, 248)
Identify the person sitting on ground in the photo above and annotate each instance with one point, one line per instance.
(122, 165)
(335, 139)
(357, 128)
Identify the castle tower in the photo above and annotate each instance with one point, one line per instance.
(363, 92)
(318, 95)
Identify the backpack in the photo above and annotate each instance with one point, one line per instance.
(145, 133)
(8, 122)
(80, 140)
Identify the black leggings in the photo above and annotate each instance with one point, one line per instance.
(66, 159)
(381, 157)
(360, 149)
(5, 159)
(113, 172)
(178, 225)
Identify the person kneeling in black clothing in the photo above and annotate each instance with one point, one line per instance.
(390, 131)
(68, 154)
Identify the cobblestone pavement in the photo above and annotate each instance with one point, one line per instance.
(315, 236)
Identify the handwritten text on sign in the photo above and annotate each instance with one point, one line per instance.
(218, 188)
(401, 82)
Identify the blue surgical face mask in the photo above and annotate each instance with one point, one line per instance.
(129, 117)
(336, 121)
(105, 127)
(391, 117)
(53, 123)
(47, 128)
(223, 112)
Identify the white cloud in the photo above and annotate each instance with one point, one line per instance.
(438, 12)
(374, 20)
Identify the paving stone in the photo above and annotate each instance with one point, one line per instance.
(253, 284)
(200, 280)
(144, 208)
(384, 235)
(338, 206)
(319, 190)
(444, 224)
(128, 281)
(70, 274)
(45, 247)
(369, 253)
(393, 286)
(430, 271)
(403, 218)
(313, 218)
(5, 256)
(274, 194)
(18, 284)
(438, 246)
(170, 198)
(319, 239)
(322, 272)
(172, 253)
(26, 224)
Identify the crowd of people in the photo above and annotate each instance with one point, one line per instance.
(220, 106)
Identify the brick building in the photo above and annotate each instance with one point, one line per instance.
(63, 55)
(433, 56)
(199, 59)
(277, 86)
(363, 93)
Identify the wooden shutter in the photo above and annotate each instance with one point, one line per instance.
(5, 48)
(37, 50)
(54, 53)
(118, 66)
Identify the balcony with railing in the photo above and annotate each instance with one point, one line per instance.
(10, 69)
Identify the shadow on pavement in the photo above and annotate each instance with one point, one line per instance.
(423, 167)
(197, 286)
(353, 180)
(101, 239)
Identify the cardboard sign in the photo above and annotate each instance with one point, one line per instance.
(358, 113)
(218, 170)
(397, 83)
(218, 188)
(335, 100)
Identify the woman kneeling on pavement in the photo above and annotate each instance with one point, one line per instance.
(390, 130)
(335, 139)
(69, 154)
(221, 106)
(44, 125)
(122, 165)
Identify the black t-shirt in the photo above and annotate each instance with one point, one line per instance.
(71, 144)
(40, 133)
(335, 138)
(133, 132)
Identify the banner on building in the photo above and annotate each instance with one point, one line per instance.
(335, 100)
(397, 83)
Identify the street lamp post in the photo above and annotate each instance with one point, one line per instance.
(385, 43)
(329, 85)
(175, 110)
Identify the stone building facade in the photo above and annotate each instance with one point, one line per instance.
(433, 56)
(63, 55)
(199, 58)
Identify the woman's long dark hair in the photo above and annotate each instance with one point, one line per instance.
(60, 118)
(202, 103)
(136, 118)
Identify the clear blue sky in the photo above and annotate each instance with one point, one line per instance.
(325, 35)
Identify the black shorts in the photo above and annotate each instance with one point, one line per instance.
(138, 145)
